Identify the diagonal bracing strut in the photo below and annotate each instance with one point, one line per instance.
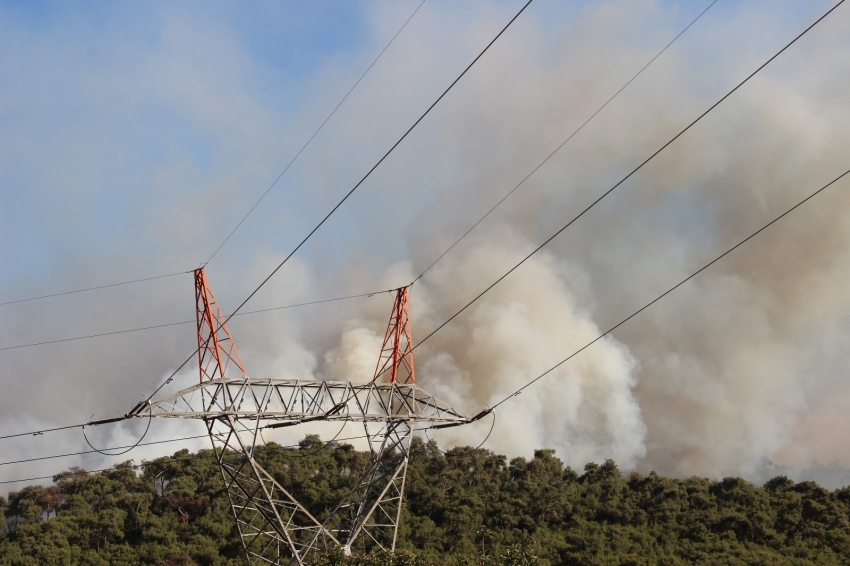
(274, 527)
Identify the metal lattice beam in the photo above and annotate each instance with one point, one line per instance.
(273, 526)
(292, 401)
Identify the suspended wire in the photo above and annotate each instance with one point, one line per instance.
(344, 98)
(314, 134)
(42, 431)
(128, 449)
(601, 336)
(95, 288)
(148, 463)
(503, 199)
(624, 179)
(183, 322)
(144, 464)
(100, 335)
(169, 379)
(340, 203)
(84, 452)
(86, 473)
(444, 253)
(82, 425)
(468, 452)
(293, 160)
(557, 149)
(673, 288)
(155, 442)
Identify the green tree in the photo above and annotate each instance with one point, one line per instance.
(466, 507)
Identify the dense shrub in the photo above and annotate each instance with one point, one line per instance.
(467, 508)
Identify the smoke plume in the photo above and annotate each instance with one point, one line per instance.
(134, 153)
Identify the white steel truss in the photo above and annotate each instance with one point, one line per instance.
(287, 402)
(274, 527)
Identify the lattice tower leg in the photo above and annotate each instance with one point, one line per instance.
(368, 516)
(273, 527)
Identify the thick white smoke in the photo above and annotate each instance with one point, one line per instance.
(586, 410)
(741, 371)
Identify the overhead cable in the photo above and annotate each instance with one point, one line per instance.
(84, 452)
(95, 288)
(671, 289)
(522, 261)
(95, 423)
(472, 450)
(182, 322)
(557, 149)
(142, 465)
(319, 129)
(140, 405)
(322, 125)
(42, 431)
(99, 335)
(633, 171)
(503, 199)
(147, 463)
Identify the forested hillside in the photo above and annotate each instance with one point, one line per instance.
(467, 508)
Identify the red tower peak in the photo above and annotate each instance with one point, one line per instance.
(216, 348)
(396, 359)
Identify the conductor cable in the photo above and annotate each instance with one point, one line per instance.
(322, 125)
(673, 288)
(557, 149)
(633, 171)
(139, 406)
(300, 151)
(182, 322)
(468, 452)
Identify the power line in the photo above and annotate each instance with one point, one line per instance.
(84, 452)
(168, 380)
(42, 431)
(137, 466)
(635, 170)
(362, 76)
(347, 195)
(314, 134)
(557, 149)
(634, 314)
(532, 253)
(100, 335)
(87, 472)
(505, 399)
(142, 465)
(573, 134)
(182, 322)
(81, 425)
(513, 268)
(671, 289)
(95, 288)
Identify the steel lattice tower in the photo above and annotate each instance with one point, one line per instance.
(274, 527)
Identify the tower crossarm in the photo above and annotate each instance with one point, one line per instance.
(286, 402)
(274, 527)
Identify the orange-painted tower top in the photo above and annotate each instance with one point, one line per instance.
(396, 359)
(216, 348)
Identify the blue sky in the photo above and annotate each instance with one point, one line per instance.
(136, 135)
(65, 67)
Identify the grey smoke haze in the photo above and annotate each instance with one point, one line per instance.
(132, 150)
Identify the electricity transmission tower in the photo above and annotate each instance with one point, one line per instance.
(274, 527)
